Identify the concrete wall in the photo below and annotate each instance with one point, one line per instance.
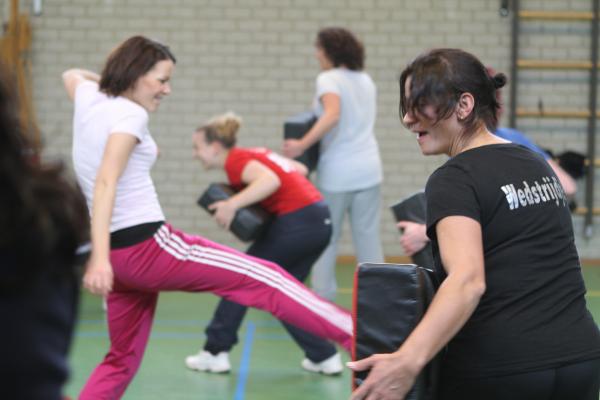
(256, 57)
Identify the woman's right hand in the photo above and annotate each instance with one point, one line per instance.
(224, 212)
(292, 148)
(391, 376)
(98, 277)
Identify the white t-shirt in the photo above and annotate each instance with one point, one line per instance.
(96, 117)
(349, 154)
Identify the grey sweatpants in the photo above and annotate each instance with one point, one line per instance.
(363, 209)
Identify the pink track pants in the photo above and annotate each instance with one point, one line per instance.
(173, 260)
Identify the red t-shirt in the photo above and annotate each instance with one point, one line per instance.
(295, 191)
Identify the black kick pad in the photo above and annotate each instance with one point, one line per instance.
(295, 127)
(389, 301)
(248, 223)
(414, 208)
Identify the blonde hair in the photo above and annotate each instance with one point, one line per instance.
(222, 128)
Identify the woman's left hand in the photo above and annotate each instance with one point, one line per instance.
(224, 212)
(292, 148)
(390, 378)
(414, 236)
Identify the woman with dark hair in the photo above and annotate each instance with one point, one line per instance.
(294, 239)
(349, 170)
(510, 311)
(43, 220)
(135, 254)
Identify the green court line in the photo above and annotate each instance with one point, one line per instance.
(178, 322)
(83, 334)
(590, 293)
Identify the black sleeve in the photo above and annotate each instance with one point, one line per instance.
(450, 191)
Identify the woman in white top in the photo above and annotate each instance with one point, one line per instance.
(135, 253)
(349, 170)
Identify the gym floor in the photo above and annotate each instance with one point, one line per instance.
(266, 363)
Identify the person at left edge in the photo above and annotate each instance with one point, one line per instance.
(43, 219)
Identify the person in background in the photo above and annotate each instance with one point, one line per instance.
(349, 169)
(294, 239)
(566, 180)
(43, 221)
(135, 253)
(510, 314)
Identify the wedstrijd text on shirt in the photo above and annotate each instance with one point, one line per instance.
(536, 193)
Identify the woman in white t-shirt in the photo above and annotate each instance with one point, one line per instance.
(135, 253)
(349, 170)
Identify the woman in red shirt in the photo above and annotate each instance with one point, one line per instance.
(298, 234)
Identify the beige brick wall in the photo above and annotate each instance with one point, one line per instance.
(256, 57)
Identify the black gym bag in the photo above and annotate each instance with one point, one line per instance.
(389, 301)
(248, 223)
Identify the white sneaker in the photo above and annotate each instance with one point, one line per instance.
(204, 361)
(330, 366)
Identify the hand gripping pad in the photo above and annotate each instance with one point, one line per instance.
(248, 223)
(295, 127)
(414, 208)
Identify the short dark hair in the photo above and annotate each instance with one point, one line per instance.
(130, 60)
(342, 47)
(440, 76)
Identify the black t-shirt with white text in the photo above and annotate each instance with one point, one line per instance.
(533, 314)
